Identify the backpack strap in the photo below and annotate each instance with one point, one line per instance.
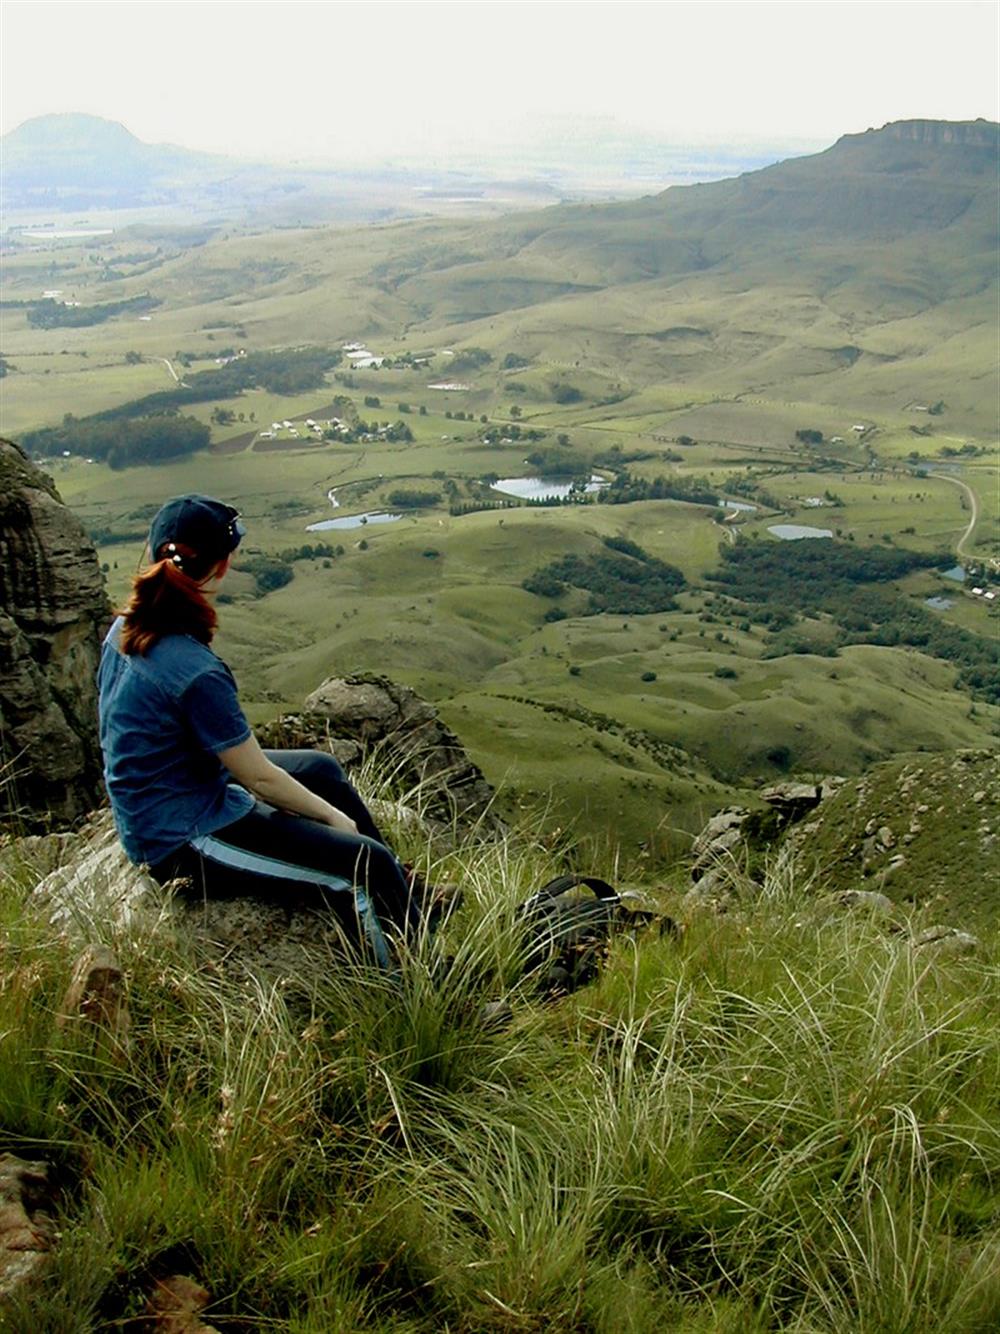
(553, 889)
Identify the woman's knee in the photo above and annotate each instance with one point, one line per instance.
(308, 766)
(375, 863)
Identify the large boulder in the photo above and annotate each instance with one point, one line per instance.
(96, 895)
(53, 610)
(356, 716)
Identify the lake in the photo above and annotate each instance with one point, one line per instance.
(543, 488)
(939, 603)
(957, 573)
(791, 532)
(739, 505)
(353, 521)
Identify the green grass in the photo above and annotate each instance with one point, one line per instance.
(784, 1119)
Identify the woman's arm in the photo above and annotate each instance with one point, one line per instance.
(250, 767)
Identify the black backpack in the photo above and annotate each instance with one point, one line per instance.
(567, 935)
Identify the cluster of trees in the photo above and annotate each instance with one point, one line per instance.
(147, 429)
(404, 499)
(310, 551)
(494, 435)
(558, 462)
(269, 572)
(393, 431)
(565, 393)
(470, 359)
(773, 582)
(809, 572)
(120, 443)
(460, 507)
(623, 579)
(624, 489)
(808, 436)
(617, 459)
(51, 314)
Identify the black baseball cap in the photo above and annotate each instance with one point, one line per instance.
(208, 527)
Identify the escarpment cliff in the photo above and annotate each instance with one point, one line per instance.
(53, 609)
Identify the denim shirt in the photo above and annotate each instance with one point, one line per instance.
(164, 717)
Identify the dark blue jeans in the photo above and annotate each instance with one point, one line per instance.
(289, 858)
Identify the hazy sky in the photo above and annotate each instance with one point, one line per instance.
(381, 79)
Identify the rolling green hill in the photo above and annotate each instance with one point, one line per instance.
(691, 336)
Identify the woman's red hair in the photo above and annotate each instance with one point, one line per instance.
(167, 601)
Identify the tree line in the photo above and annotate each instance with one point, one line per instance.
(51, 314)
(149, 429)
(776, 582)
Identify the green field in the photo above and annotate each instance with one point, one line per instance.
(592, 326)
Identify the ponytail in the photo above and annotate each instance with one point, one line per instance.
(167, 600)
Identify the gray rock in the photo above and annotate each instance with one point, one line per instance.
(53, 610)
(867, 899)
(947, 940)
(714, 889)
(100, 894)
(98, 888)
(722, 834)
(354, 716)
(792, 800)
(25, 1228)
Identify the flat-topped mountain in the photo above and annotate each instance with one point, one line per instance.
(854, 262)
(910, 177)
(70, 153)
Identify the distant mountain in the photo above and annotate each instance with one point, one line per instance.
(908, 178)
(73, 161)
(865, 274)
(90, 161)
(56, 163)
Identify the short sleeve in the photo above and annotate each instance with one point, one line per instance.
(212, 709)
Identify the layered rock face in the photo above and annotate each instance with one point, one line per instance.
(53, 611)
(358, 715)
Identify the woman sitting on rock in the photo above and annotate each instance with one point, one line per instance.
(193, 795)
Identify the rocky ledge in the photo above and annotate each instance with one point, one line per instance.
(53, 610)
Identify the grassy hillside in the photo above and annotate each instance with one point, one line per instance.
(778, 1119)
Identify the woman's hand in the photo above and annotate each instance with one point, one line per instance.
(338, 820)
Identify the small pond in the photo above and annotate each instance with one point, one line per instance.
(543, 488)
(957, 573)
(791, 532)
(939, 603)
(353, 521)
(740, 505)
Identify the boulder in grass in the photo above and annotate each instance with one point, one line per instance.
(175, 1307)
(25, 1228)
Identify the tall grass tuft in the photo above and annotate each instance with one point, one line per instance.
(784, 1118)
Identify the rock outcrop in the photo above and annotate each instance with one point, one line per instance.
(736, 833)
(917, 831)
(98, 893)
(355, 716)
(53, 609)
(26, 1231)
